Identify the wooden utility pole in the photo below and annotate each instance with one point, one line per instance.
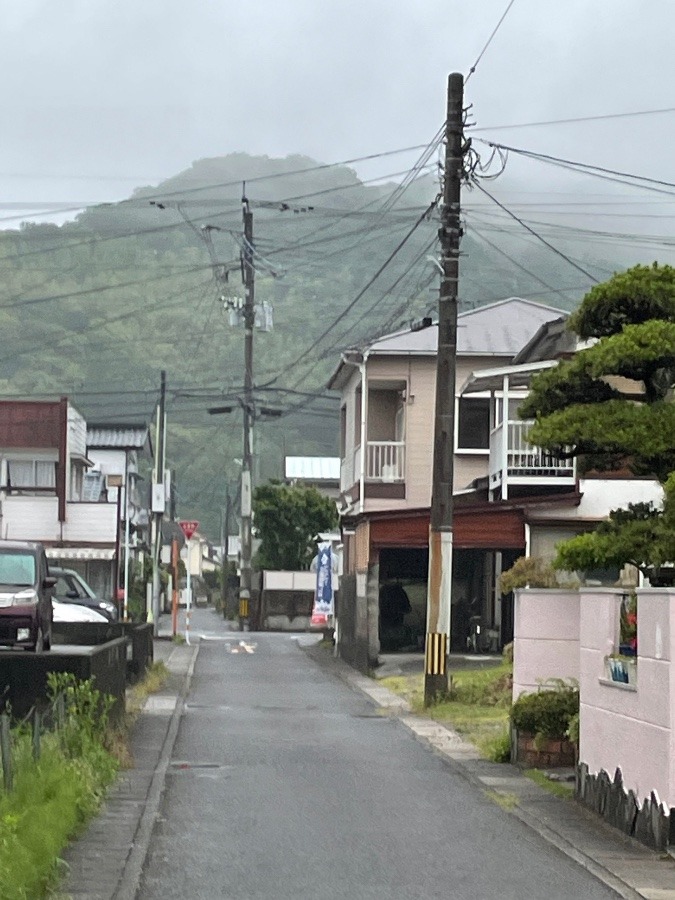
(249, 323)
(439, 588)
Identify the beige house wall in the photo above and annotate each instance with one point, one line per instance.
(419, 374)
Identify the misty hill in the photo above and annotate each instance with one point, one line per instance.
(97, 307)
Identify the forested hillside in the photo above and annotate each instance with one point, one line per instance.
(97, 307)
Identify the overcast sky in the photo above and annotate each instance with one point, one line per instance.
(100, 96)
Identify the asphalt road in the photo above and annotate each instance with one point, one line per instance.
(287, 784)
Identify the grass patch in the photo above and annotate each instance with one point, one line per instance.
(56, 795)
(504, 799)
(153, 681)
(477, 705)
(557, 788)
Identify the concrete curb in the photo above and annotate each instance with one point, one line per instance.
(457, 753)
(131, 877)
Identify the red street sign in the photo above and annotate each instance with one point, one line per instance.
(189, 528)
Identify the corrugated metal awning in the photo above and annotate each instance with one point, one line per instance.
(106, 554)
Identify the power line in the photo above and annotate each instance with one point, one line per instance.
(575, 119)
(303, 357)
(274, 175)
(489, 41)
(589, 167)
(535, 234)
(516, 263)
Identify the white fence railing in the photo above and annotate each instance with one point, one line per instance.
(385, 461)
(512, 455)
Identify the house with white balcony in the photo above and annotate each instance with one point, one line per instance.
(510, 498)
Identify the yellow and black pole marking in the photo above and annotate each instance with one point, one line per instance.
(436, 655)
(435, 666)
(243, 607)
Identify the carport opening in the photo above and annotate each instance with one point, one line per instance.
(403, 599)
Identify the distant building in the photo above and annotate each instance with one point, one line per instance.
(321, 472)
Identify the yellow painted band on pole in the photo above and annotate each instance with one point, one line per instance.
(436, 653)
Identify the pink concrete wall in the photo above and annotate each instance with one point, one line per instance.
(629, 726)
(546, 638)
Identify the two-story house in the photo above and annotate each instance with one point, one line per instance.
(43, 483)
(510, 498)
(388, 391)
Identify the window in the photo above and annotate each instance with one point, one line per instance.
(17, 569)
(473, 427)
(31, 474)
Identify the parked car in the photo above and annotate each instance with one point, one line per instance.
(72, 588)
(73, 612)
(25, 596)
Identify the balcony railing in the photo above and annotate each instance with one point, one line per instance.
(385, 461)
(513, 458)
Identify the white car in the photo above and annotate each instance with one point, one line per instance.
(71, 612)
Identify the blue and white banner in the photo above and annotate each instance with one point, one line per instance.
(323, 597)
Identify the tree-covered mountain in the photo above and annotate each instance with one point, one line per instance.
(97, 307)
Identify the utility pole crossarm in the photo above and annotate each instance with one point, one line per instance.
(441, 518)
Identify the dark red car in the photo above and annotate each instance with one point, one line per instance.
(25, 596)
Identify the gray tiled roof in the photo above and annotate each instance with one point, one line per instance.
(117, 436)
(499, 329)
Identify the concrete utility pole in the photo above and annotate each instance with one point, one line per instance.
(158, 497)
(246, 500)
(439, 589)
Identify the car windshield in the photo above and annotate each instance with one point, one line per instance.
(17, 568)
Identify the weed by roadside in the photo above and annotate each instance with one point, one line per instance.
(477, 705)
(153, 681)
(557, 788)
(54, 795)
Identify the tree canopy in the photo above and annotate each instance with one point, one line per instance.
(611, 407)
(287, 519)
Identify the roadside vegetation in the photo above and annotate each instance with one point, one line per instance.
(477, 705)
(53, 796)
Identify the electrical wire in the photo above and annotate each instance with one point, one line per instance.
(586, 167)
(303, 357)
(576, 119)
(535, 234)
(489, 40)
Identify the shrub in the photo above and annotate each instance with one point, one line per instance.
(547, 713)
(531, 571)
(497, 747)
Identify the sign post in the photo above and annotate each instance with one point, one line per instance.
(188, 529)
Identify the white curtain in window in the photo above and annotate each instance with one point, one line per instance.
(21, 473)
(45, 474)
